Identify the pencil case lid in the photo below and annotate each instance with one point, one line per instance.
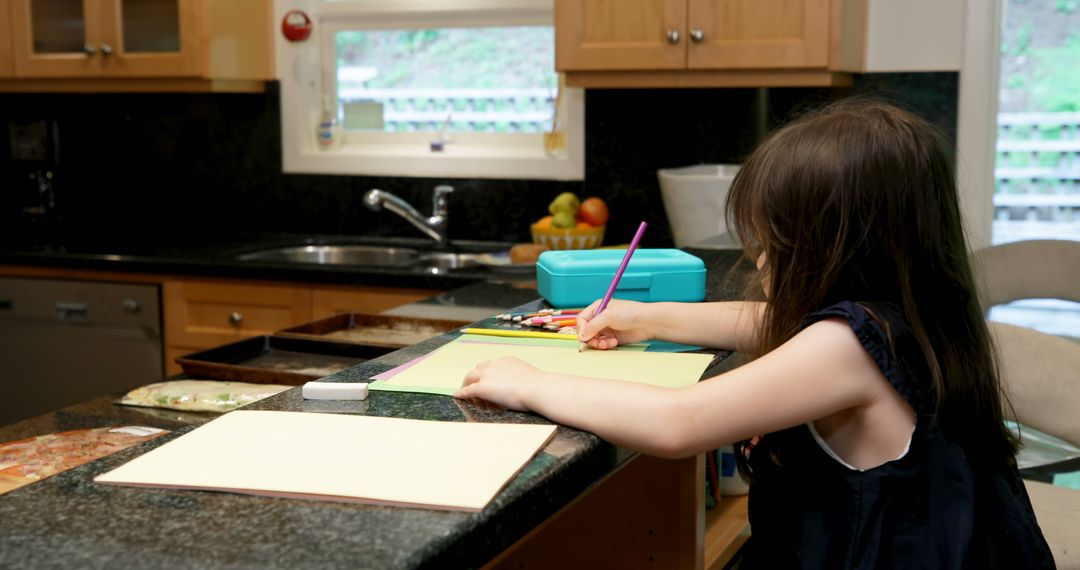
(575, 278)
(606, 261)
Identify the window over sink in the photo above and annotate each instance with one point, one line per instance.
(428, 88)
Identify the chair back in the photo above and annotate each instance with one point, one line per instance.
(1033, 269)
(1041, 376)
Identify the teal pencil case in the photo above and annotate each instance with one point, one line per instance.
(575, 278)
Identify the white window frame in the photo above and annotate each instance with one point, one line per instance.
(303, 71)
(976, 130)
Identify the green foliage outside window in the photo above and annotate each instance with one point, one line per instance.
(1055, 83)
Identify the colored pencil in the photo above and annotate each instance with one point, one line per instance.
(618, 275)
(519, 334)
(540, 313)
(538, 321)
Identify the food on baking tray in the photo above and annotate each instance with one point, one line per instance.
(200, 395)
(27, 460)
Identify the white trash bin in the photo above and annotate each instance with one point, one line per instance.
(694, 198)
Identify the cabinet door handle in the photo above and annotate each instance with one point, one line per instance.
(71, 311)
(89, 49)
(106, 49)
(235, 318)
(673, 37)
(697, 36)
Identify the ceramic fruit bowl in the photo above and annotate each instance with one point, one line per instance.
(582, 237)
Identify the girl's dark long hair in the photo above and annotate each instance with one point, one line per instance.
(858, 202)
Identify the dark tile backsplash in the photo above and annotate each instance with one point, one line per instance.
(177, 166)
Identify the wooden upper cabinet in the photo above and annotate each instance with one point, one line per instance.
(758, 34)
(56, 38)
(117, 38)
(620, 34)
(193, 39)
(162, 38)
(7, 65)
(702, 43)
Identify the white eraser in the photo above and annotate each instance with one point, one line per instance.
(335, 391)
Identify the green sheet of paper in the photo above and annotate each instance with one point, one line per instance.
(443, 371)
(665, 346)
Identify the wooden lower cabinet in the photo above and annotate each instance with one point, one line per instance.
(201, 314)
(649, 514)
(205, 314)
(327, 302)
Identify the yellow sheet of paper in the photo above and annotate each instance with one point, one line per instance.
(443, 371)
(449, 465)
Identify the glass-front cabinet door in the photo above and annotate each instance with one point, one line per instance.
(153, 38)
(56, 38)
(112, 38)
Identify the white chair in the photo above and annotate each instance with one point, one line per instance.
(1041, 376)
(1040, 372)
(1033, 269)
(1058, 511)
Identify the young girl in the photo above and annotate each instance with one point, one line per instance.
(875, 383)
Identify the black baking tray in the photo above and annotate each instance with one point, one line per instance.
(273, 359)
(373, 330)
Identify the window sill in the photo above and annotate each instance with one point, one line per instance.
(466, 162)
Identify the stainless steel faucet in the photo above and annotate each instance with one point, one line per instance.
(434, 227)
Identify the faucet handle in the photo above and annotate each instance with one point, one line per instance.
(440, 200)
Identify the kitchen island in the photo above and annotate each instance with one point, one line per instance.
(580, 499)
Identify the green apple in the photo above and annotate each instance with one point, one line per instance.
(565, 202)
(563, 219)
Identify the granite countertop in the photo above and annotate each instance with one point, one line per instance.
(67, 520)
(216, 255)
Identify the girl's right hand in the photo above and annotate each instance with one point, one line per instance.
(622, 322)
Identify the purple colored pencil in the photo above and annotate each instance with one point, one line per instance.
(622, 267)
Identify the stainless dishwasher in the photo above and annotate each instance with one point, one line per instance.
(62, 342)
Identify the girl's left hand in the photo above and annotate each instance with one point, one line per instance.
(502, 381)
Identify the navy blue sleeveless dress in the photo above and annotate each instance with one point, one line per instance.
(929, 508)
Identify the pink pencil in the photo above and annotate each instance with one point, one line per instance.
(618, 275)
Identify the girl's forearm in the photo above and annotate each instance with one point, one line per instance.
(727, 325)
(625, 413)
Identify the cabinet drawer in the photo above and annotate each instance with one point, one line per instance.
(207, 314)
(330, 302)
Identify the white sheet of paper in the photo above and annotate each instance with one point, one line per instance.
(448, 465)
(445, 369)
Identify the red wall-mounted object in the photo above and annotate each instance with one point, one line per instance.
(296, 26)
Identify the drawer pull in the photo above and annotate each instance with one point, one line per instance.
(235, 318)
(71, 311)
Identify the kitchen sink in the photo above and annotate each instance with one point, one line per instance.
(443, 262)
(465, 255)
(371, 255)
